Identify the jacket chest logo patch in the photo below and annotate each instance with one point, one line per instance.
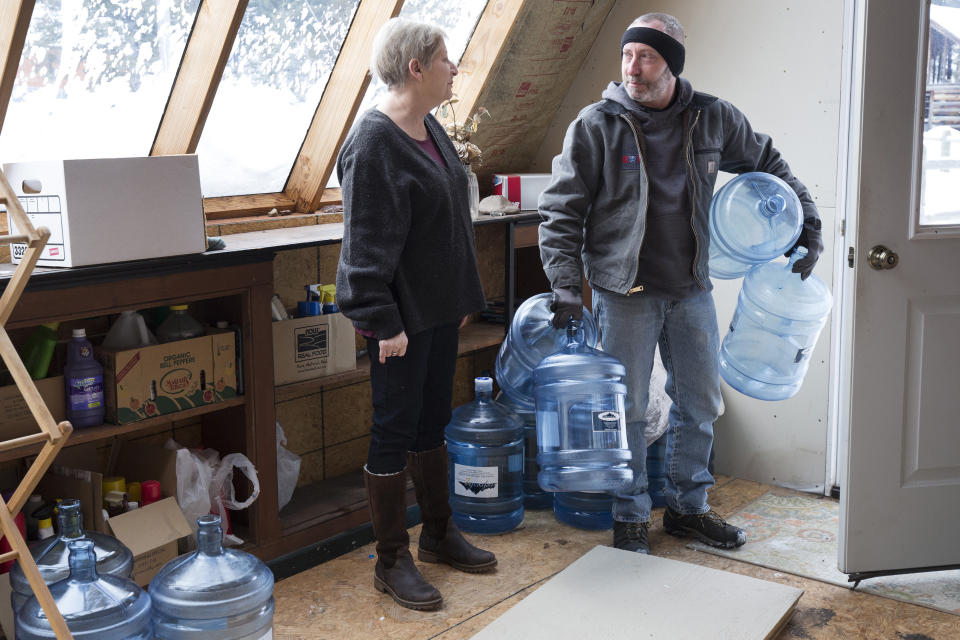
(630, 162)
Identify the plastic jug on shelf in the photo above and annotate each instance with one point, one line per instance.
(485, 446)
(94, 606)
(37, 351)
(83, 381)
(128, 331)
(530, 339)
(754, 218)
(778, 319)
(581, 428)
(179, 325)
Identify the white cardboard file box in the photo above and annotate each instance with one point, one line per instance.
(312, 346)
(111, 209)
(522, 189)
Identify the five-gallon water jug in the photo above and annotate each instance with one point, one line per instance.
(530, 339)
(485, 445)
(95, 607)
(179, 325)
(83, 382)
(128, 331)
(581, 427)
(754, 218)
(213, 593)
(533, 496)
(766, 353)
(657, 470)
(584, 509)
(52, 555)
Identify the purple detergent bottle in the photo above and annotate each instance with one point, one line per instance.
(83, 379)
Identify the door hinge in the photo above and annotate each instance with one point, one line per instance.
(850, 254)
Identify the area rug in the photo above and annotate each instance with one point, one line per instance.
(798, 534)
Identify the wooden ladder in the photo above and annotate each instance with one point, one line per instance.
(52, 435)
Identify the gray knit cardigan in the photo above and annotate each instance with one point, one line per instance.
(408, 260)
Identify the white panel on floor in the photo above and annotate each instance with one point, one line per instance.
(614, 594)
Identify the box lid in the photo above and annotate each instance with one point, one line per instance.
(151, 526)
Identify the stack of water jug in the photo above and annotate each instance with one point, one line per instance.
(213, 593)
(754, 219)
(555, 436)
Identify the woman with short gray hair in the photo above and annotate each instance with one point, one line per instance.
(407, 278)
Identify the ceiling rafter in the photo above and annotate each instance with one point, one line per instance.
(484, 52)
(14, 22)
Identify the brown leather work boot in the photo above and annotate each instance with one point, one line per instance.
(395, 572)
(440, 540)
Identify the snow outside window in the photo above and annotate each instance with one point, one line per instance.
(280, 63)
(94, 78)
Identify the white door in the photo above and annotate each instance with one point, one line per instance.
(900, 489)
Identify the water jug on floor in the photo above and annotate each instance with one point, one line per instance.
(581, 428)
(754, 218)
(530, 339)
(95, 607)
(52, 555)
(533, 496)
(584, 509)
(213, 593)
(766, 352)
(485, 445)
(657, 470)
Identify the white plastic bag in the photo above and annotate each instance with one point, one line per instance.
(222, 494)
(658, 402)
(205, 485)
(194, 473)
(288, 470)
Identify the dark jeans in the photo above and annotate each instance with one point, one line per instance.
(411, 397)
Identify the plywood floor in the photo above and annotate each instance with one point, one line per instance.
(336, 600)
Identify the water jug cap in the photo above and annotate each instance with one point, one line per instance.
(179, 307)
(79, 333)
(483, 384)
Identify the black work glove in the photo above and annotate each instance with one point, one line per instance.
(566, 304)
(811, 239)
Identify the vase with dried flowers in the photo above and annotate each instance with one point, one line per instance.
(469, 153)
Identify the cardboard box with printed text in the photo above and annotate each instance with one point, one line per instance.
(165, 378)
(312, 346)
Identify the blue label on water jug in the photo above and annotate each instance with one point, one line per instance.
(85, 393)
(476, 482)
(606, 421)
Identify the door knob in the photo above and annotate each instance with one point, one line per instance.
(881, 258)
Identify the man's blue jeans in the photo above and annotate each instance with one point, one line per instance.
(686, 330)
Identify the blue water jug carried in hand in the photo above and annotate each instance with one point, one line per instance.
(530, 339)
(766, 353)
(485, 446)
(581, 428)
(213, 593)
(52, 555)
(754, 218)
(533, 496)
(584, 509)
(95, 607)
